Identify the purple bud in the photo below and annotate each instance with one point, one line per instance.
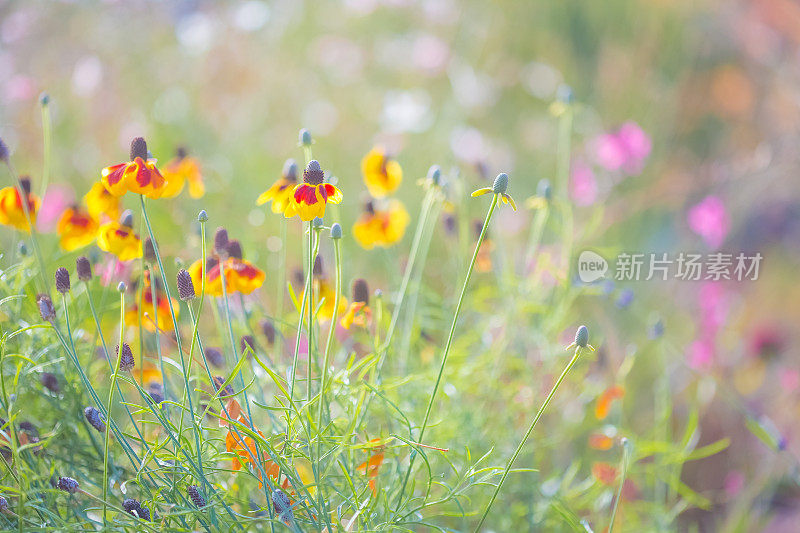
(67, 484)
(62, 280)
(185, 286)
(126, 360)
(84, 268)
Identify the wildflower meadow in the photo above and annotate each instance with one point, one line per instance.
(399, 265)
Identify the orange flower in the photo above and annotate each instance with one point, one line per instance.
(358, 313)
(309, 198)
(12, 212)
(381, 227)
(382, 174)
(102, 203)
(150, 313)
(240, 276)
(120, 240)
(483, 262)
(150, 373)
(280, 194)
(139, 175)
(76, 228)
(180, 170)
(599, 441)
(604, 473)
(606, 399)
(371, 466)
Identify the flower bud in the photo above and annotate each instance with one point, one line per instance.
(149, 250)
(126, 218)
(247, 341)
(221, 241)
(215, 357)
(62, 280)
(138, 148)
(317, 223)
(121, 287)
(195, 496)
(126, 360)
(582, 337)
(336, 231)
(435, 174)
(68, 484)
(185, 286)
(500, 183)
(360, 291)
(202, 216)
(44, 99)
(234, 249)
(46, 309)
(290, 170)
(95, 418)
(4, 151)
(283, 506)
(544, 189)
(268, 329)
(305, 137)
(84, 268)
(135, 508)
(564, 94)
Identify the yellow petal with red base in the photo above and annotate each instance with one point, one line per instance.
(382, 175)
(12, 212)
(76, 228)
(101, 203)
(119, 240)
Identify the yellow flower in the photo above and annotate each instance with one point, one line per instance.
(119, 240)
(101, 203)
(240, 276)
(12, 212)
(358, 313)
(280, 194)
(310, 197)
(498, 188)
(381, 227)
(139, 175)
(382, 174)
(76, 228)
(180, 170)
(150, 312)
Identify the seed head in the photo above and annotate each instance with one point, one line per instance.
(336, 231)
(126, 218)
(360, 291)
(221, 241)
(319, 267)
(305, 137)
(185, 286)
(234, 249)
(149, 250)
(283, 506)
(3, 504)
(318, 223)
(582, 337)
(290, 170)
(121, 287)
(46, 309)
(313, 174)
(435, 174)
(68, 484)
(544, 189)
(195, 496)
(215, 357)
(500, 183)
(50, 382)
(84, 268)
(139, 149)
(95, 418)
(4, 152)
(202, 216)
(126, 360)
(44, 99)
(268, 329)
(62, 280)
(136, 509)
(181, 152)
(25, 183)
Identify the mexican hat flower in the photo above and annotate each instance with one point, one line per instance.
(180, 170)
(119, 238)
(139, 175)
(76, 228)
(280, 193)
(382, 174)
(310, 197)
(382, 226)
(102, 203)
(498, 188)
(358, 312)
(325, 292)
(240, 275)
(12, 211)
(152, 314)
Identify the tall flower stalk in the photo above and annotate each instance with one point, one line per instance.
(111, 395)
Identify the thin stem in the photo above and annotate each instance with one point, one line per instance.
(625, 453)
(447, 345)
(312, 252)
(47, 142)
(528, 434)
(279, 297)
(111, 398)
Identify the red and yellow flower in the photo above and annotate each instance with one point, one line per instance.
(603, 406)
(101, 203)
(309, 198)
(178, 172)
(371, 466)
(76, 228)
(382, 226)
(153, 314)
(280, 194)
(240, 276)
(382, 174)
(139, 175)
(120, 240)
(12, 211)
(358, 312)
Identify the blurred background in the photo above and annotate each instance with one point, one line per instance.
(703, 96)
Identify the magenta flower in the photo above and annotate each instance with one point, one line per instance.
(582, 184)
(625, 149)
(56, 199)
(710, 220)
(700, 355)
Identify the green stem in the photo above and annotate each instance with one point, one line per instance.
(310, 320)
(47, 142)
(625, 453)
(528, 434)
(279, 297)
(111, 398)
(447, 345)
